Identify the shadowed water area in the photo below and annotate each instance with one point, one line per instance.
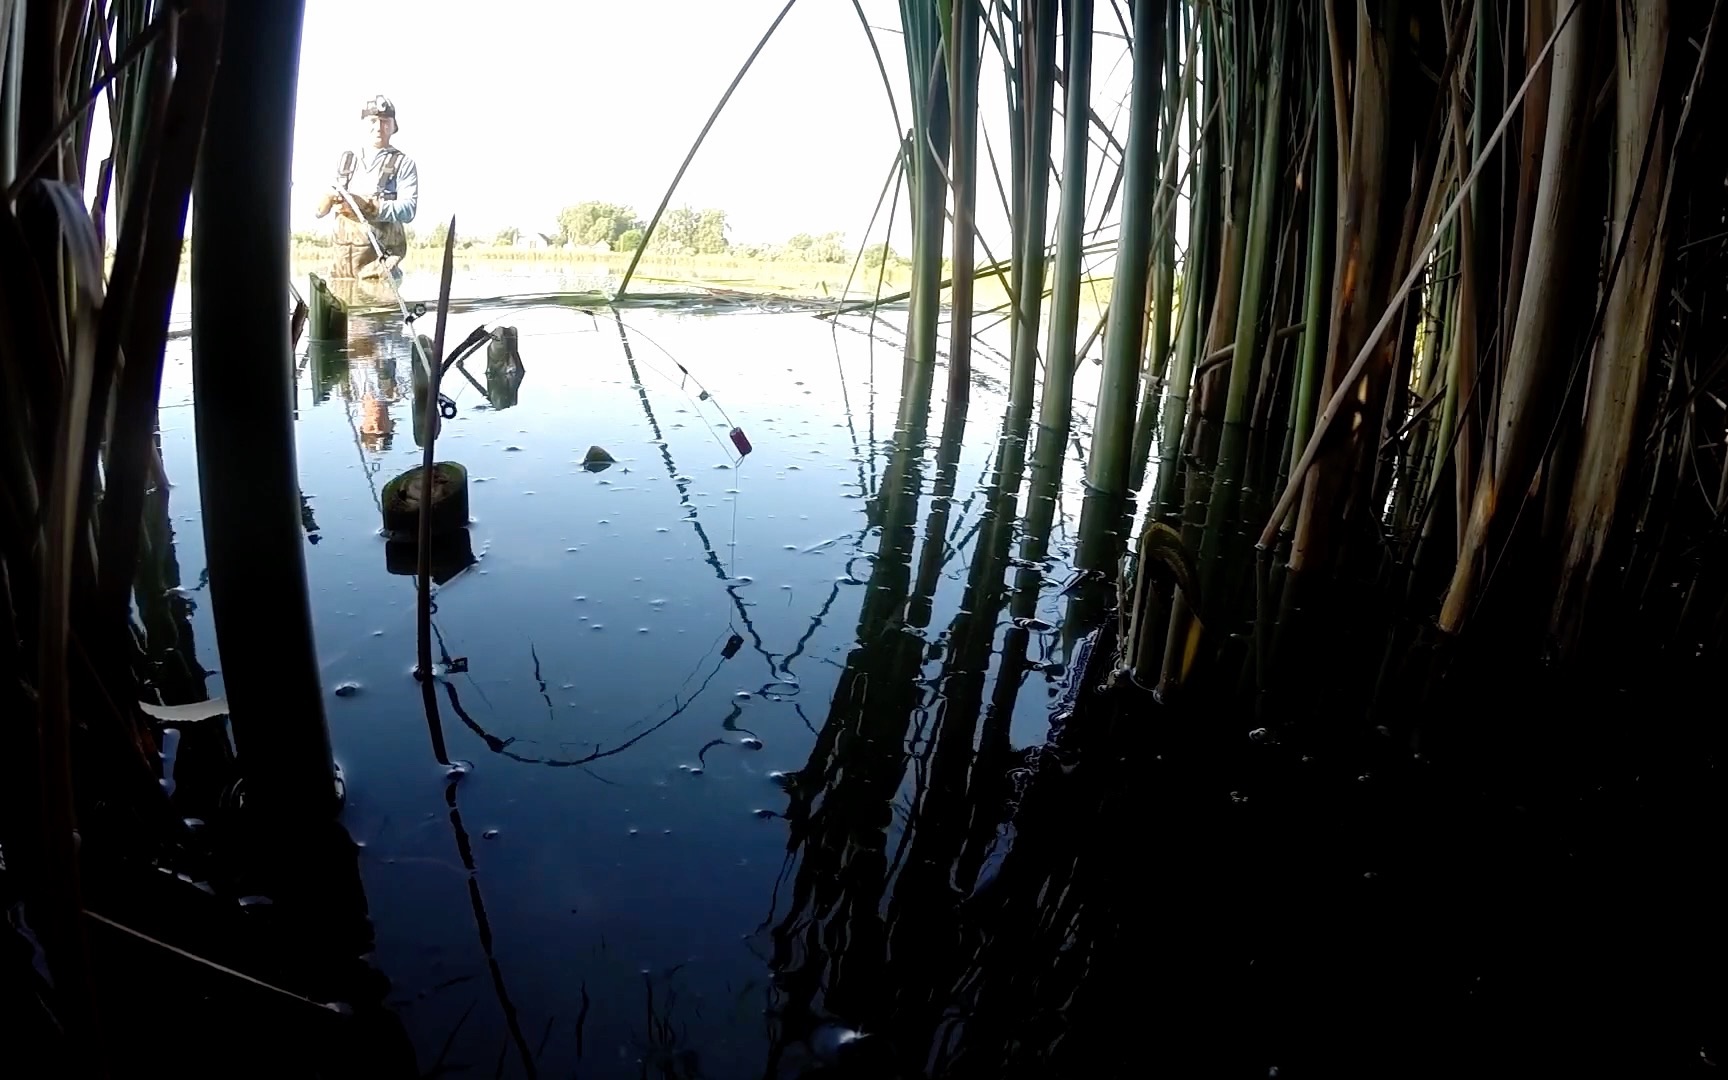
(716, 736)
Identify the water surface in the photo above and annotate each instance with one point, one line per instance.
(658, 677)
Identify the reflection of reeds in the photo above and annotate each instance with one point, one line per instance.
(465, 850)
(854, 769)
(168, 644)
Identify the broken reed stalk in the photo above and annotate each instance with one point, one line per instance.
(434, 369)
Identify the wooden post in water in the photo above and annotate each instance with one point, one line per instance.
(243, 391)
(327, 315)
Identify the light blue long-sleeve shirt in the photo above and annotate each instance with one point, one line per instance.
(400, 209)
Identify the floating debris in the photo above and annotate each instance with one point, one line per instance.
(829, 1040)
(186, 714)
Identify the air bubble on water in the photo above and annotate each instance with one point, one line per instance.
(1259, 734)
(662, 529)
(570, 551)
(1238, 797)
(579, 599)
(782, 780)
(750, 742)
(764, 813)
(489, 834)
(742, 695)
(722, 465)
(377, 633)
(347, 689)
(256, 901)
(632, 831)
(512, 449)
(603, 521)
(657, 602)
(596, 626)
(456, 770)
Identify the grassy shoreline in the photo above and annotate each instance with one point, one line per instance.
(716, 272)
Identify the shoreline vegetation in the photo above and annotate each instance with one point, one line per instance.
(727, 271)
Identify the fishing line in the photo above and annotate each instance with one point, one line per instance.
(739, 442)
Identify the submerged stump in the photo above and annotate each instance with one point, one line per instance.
(448, 503)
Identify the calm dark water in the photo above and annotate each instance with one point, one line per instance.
(650, 652)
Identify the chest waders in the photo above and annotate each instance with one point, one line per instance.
(356, 254)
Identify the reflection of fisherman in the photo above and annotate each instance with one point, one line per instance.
(381, 182)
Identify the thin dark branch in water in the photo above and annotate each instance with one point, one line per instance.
(541, 681)
(581, 1020)
(438, 1068)
(465, 851)
(210, 965)
(815, 623)
(483, 926)
(499, 746)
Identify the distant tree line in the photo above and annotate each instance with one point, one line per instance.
(683, 230)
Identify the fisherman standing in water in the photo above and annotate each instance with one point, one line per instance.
(382, 185)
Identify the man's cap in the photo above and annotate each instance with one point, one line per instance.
(379, 105)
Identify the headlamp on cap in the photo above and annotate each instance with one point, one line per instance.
(379, 105)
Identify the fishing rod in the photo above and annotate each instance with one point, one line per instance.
(345, 165)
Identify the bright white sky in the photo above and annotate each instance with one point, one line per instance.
(516, 108)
